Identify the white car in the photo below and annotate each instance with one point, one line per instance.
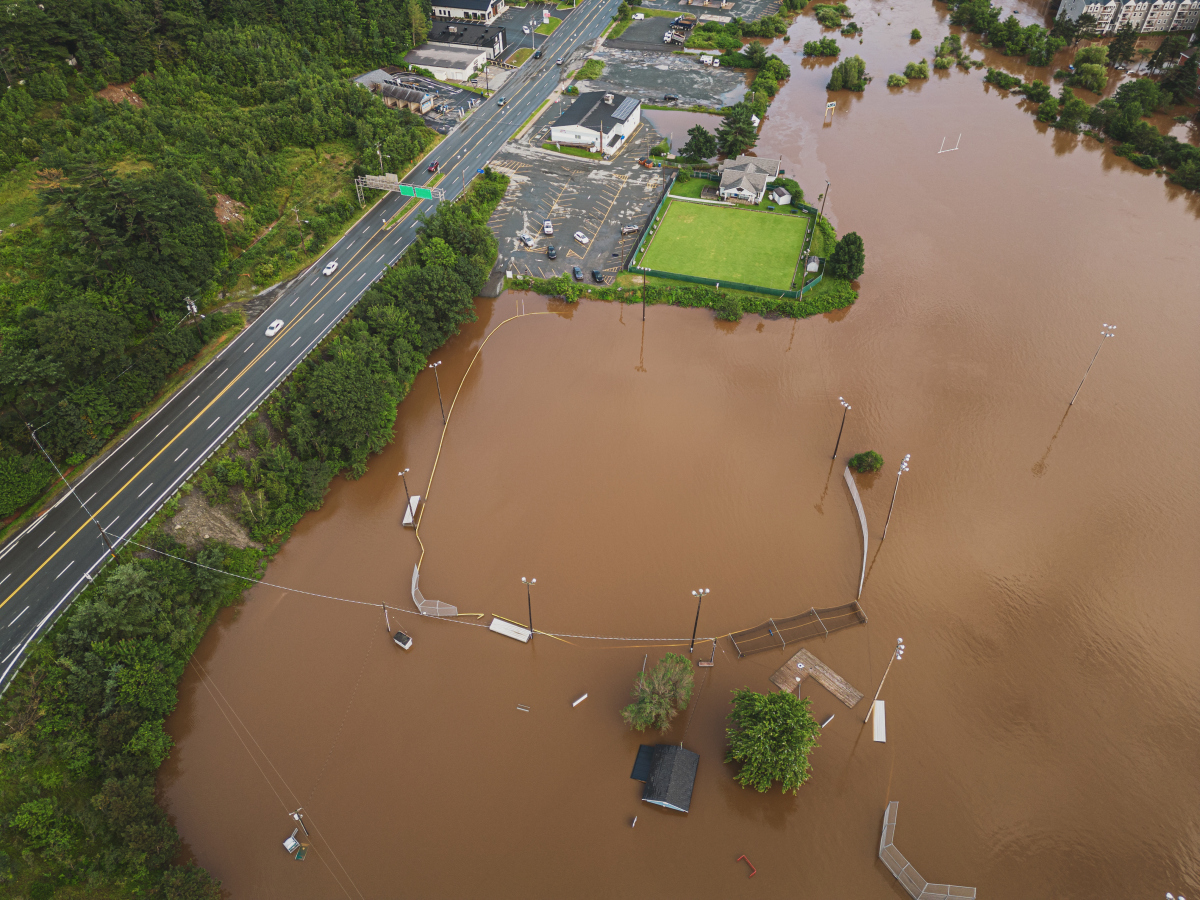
(581, 237)
(525, 28)
(547, 227)
(330, 269)
(639, 16)
(273, 328)
(526, 239)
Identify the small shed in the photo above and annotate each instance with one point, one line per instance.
(669, 772)
(781, 196)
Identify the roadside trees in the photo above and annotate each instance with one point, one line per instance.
(772, 737)
(701, 144)
(736, 134)
(849, 257)
(659, 695)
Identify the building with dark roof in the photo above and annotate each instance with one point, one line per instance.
(491, 38)
(471, 10)
(669, 773)
(598, 121)
(403, 98)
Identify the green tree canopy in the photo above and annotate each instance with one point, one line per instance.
(700, 144)
(848, 75)
(736, 134)
(660, 694)
(849, 258)
(772, 736)
(1120, 48)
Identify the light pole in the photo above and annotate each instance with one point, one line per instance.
(699, 595)
(298, 815)
(897, 653)
(409, 496)
(529, 583)
(824, 197)
(845, 409)
(1107, 332)
(903, 469)
(438, 381)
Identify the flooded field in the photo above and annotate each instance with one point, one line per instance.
(1040, 565)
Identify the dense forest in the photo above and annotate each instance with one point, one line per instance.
(83, 720)
(116, 200)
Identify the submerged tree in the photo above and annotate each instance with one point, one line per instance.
(772, 737)
(701, 144)
(849, 257)
(737, 133)
(848, 75)
(659, 695)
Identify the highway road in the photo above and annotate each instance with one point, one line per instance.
(45, 566)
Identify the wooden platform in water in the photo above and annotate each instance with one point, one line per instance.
(792, 673)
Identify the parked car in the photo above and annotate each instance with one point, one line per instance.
(526, 239)
(551, 253)
(538, 55)
(629, 229)
(547, 227)
(330, 269)
(582, 238)
(559, 61)
(577, 272)
(434, 166)
(597, 276)
(670, 98)
(273, 328)
(639, 15)
(525, 29)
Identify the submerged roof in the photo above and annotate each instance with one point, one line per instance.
(671, 778)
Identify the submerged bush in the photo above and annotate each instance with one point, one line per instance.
(896, 81)
(848, 75)
(823, 47)
(917, 70)
(867, 462)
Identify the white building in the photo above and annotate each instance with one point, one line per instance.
(472, 10)
(597, 121)
(448, 63)
(746, 178)
(1144, 16)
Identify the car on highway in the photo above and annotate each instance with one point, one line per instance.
(551, 253)
(273, 328)
(597, 276)
(538, 55)
(559, 61)
(525, 239)
(330, 269)
(547, 227)
(577, 272)
(501, 102)
(434, 166)
(582, 238)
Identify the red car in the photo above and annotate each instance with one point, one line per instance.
(434, 166)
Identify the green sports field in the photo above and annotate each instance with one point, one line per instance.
(727, 243)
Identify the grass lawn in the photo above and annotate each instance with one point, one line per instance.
(549, 28)
(727, 244)
(572, 151)
(520, 56)
(591, 70)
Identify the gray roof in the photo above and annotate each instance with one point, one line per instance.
(749, 173)
(671, 778)
(403, 94)
(590, 109)
(480, 5)
(443, 56)
(464, 34)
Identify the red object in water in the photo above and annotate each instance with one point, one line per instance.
(750, 864)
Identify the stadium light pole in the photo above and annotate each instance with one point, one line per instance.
(1107, 332)
(897, 653)
(699, 595)
(438, 381)
(824, 197)
(845, 409)
(407, 495)
(529, 583)
(903, 469)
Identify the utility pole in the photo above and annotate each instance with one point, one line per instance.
(529, 583)
(1105, 334)
(903, 469)
(70, 487)
(897, 653)
(438, 381)
(699, 595)
(643, 296)
(824, 197)
(409, 498)
(845, 409)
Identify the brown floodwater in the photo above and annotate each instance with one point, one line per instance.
(1041, 564)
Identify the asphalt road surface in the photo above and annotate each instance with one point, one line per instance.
(48, 563)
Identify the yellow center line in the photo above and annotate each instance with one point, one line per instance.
(323, 292)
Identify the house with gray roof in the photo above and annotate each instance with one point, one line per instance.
(746, 178)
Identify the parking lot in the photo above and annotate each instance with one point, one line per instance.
(652, 76)
(593, 198)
